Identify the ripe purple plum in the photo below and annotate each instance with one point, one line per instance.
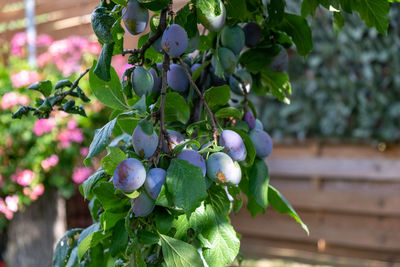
(174, 40)
(227, 59)
(157, 81)
(262, 142)
(215, 80)
(222, 169)
(135, 17)
(157, 44)
(175, 137)
(194, 158)
(233, 144)
(154, 181)
(249, 118)
(144, 144)
(233, 38)
(143, 205)
(142, 81)
(246, 83)
(259, 125)
(253, 34)
(281, 61)
(213, 21)
(177, 79)
(129, 175)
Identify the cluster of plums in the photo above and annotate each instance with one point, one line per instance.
(221, 167)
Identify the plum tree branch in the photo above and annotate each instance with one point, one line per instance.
(196, 88)
(245, 93)
(160, 29)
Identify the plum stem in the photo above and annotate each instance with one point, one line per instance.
(196, 88)
(245, 93)
(160, 29)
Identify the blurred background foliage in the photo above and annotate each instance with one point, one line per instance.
(348, 91)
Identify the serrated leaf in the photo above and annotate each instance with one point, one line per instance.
(113, 158)
(65, 246)
(375, 13)
(100, 141)
(228, 113)
(109, 219)
(277, 82)
(218, 199)
(186, 184)
(178, 253)
(280, 204)
(89, 237)
(217, 96)
(90, 182)
(104, 192)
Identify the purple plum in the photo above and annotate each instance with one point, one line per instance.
(144, 144)
(194, 158)
(233, 144)
(222, 169)
(129, 175)
(174, 40)
(154, 181)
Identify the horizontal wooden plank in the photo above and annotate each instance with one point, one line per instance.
(342, 168)
(361, 232)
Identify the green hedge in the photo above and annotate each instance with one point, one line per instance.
(347, 89)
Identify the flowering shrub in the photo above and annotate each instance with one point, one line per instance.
(42, 153)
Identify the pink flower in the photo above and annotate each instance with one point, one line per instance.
(24, 78)
(44, 40)
(44, 126)
(72, 124)
(49, 162)
(81, 174)
(17, 42)
(67, 136)
(84, 151)
(11, 99)
(23, 178)
(44, 58)
(12, 203)
(38, 190)
(5, 210)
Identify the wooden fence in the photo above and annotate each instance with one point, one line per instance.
(349, 196)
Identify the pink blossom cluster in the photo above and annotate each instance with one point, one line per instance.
(81, 174)
(71, 134)
(20, 39)
(9, 206)
(43, 126)
(24, 78)
(12, 99)
(49, 162)
(119, 64)
(23, 177)
(34, 193)
(66, 54)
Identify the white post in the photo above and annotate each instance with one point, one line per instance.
(31, 31)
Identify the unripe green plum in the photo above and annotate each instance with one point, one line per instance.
(253, 34)
(157, 44)
(236, 86)
(143, 205)
(212, 21)
(142, 81)
(262, 142)
(177, 79)
(227, 59)
(129, 175)
(175, 138)
(135, 17)
(222, 169)
(144, 144)
(194, 158)
(154, 181)
(280, 62)
(233, 38)
(174, 40)
(233, 145)
(249, 118)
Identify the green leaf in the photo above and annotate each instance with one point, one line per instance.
(277, 82)
(228, 112)
(252, 206)
(119, 239)
(109, 93)
(147, 238)
(45, 87)
(89, 237)
(309, 7)
(163, 221)
(297, 28)
(186, 183)
(109, 219)
(188, 20)
(90, 182)
(276, 9)
(224, 243)
(176, 108)
(63, 83)
(258, 182)
(154, 5)
(236, 9)
(178, 253)
(110, 202)
(113, 158)
(65, 246)
(280, 204)
(146, 127)
(375, 13)
(100, 141)
(102, 22)
(217, 96)
(218, 199)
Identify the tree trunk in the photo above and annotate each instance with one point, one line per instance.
(34, 233)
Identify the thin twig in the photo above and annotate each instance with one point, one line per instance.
(160, 29)
(210, 113)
